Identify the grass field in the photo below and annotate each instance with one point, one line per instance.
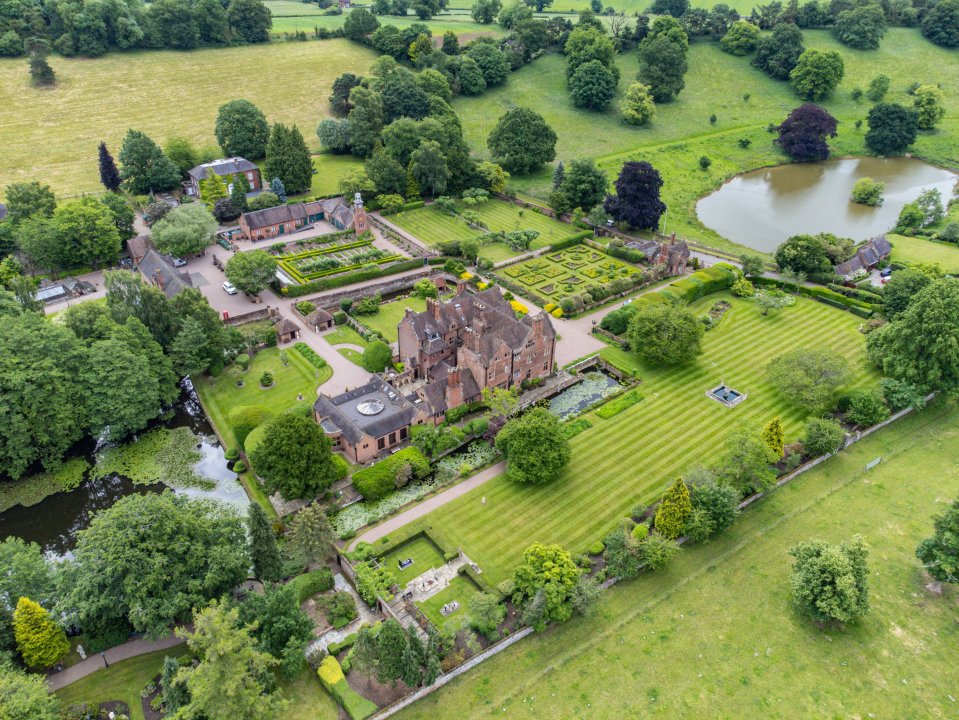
(433, 226)
(715, 635)
(715, 83)
(329, 170)
(390, 314)
(52, 135)
(424, 553)
(628, 459)
(459, 22)
(220, 394)
(124, 681)
(920, 250)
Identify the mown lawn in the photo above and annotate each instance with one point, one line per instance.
(329, 170)
(220, 394)
(919, 250)
(716, 83)
(124, 681)
(629, 459)
(460, 589)
(345, 334)
(52, 135)
(715, 634)
(421, 550)
(390, 314)
(121, 681)
(433, 226)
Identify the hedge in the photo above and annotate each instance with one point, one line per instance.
(617, 405)
(458, 413)
(378, 481)
(414, 205)
(350, 278)
(347, 642)
(857, 293)
(823, 295)
(288, 268)
(332, 678)
(309, 584)
(571, 240)
(407, 533)
(468, 571)
(310, 355)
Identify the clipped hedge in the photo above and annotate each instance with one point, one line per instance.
(309, 584)
(332, 678)
(355, 277)
(378, 481)
(823, 295)
(571, 240)
(310, 355)
(618, 404)
(347, 642)
(467, 571)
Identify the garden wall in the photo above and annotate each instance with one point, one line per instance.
(331, 300)
(252, 316)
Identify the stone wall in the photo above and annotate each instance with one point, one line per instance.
(253, 316)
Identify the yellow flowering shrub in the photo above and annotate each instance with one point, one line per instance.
(549, 307)
(330, 672)
(518, 307)
(557, 313)
(466, 275)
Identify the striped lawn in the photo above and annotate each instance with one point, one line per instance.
(629, 458)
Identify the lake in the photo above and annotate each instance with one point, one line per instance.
(53, 522)
(760, 209)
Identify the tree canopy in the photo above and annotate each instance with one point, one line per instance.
(861, 27)
(665, 334)
(251, 271)
(288, 158)
(892, 128)
(778, 52)
(535, 446)
(802, 135)
(241, 130)
(143, 166)
(939, 553)
(522, 141)
(830, 583)
(187, 230)
(549, 573)
(809, 378)
(126, 573)
(636, 201)
(294, 457)
(817, 73)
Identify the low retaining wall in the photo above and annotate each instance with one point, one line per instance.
(331, 300)
(253, 316)
(443, 679)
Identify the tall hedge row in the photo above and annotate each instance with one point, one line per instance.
(379, 480)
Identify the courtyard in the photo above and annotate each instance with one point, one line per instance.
(629, 458)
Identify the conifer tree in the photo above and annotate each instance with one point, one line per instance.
(174, 693)
(212, 189)
(238, 192)
(559, 174)
(109, 175)
(432, 664)
(41, 74)
(276, 185)
(411, 662)
(41, 642)
(310, 534)
(774, 436)
(674, 510)
(288, 158)
(267, 565)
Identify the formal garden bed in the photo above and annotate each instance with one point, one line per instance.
(344, 255)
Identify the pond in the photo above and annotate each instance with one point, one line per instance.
(591, 389)
(760, 209)
(53, 523)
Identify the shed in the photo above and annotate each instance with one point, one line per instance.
(286, 330)
(319, 320)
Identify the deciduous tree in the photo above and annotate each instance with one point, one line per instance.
(803, 134)
(592, 86)
(817, 74)
(143, 166)
(241, 130)
(861, 27)
(778, 53)
(26, 696)
(939, 553)
(941, 23)
(637, 105)
(892, 128)
(830, 583)
(636, 201)
(428, 165)
(809, 378)
(251, 271)
(535, 446)
(250, 20)
(294, 457)
(927, 100)
(747, 463)
(741, 39)
(664, 334)
(187, 230)
(522, 141)
(550, 570)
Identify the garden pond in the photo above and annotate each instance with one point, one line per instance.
(594, 386)
(181, 448)
(814, 197)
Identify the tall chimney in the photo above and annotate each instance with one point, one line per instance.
(433, 306)
(454, 389)
(158, 278)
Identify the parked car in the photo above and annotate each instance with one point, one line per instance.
(230, 290)
(886, 272)
(178, 262)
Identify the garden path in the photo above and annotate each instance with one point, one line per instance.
(129, 649)
(365, 617)
(427, 506)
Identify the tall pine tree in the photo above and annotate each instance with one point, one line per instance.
(109, 175)
(238, 190)
(267, 565)
(774, 436)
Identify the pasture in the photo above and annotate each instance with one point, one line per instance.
(920, 250)
(51, 135)
(630, 458)
(715, 635)
(716, 83)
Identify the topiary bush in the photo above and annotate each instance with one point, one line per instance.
(244, 418)
(239, 467)
(231, 454)
(266, 379)
(596, 548)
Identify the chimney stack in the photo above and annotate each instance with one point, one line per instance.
(454, 389)
(433, 307)
(460, 287)
(158, 278)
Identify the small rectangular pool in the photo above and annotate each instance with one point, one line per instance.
(726, 395)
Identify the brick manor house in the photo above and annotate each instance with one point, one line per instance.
(451, 351)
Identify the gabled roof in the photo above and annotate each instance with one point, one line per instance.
(343, 215)
(342, 411)
(158, 269)
(867, 255)
(224, 166)
(275, 215)
(138, 246)
(435, 389)
(649, 248)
